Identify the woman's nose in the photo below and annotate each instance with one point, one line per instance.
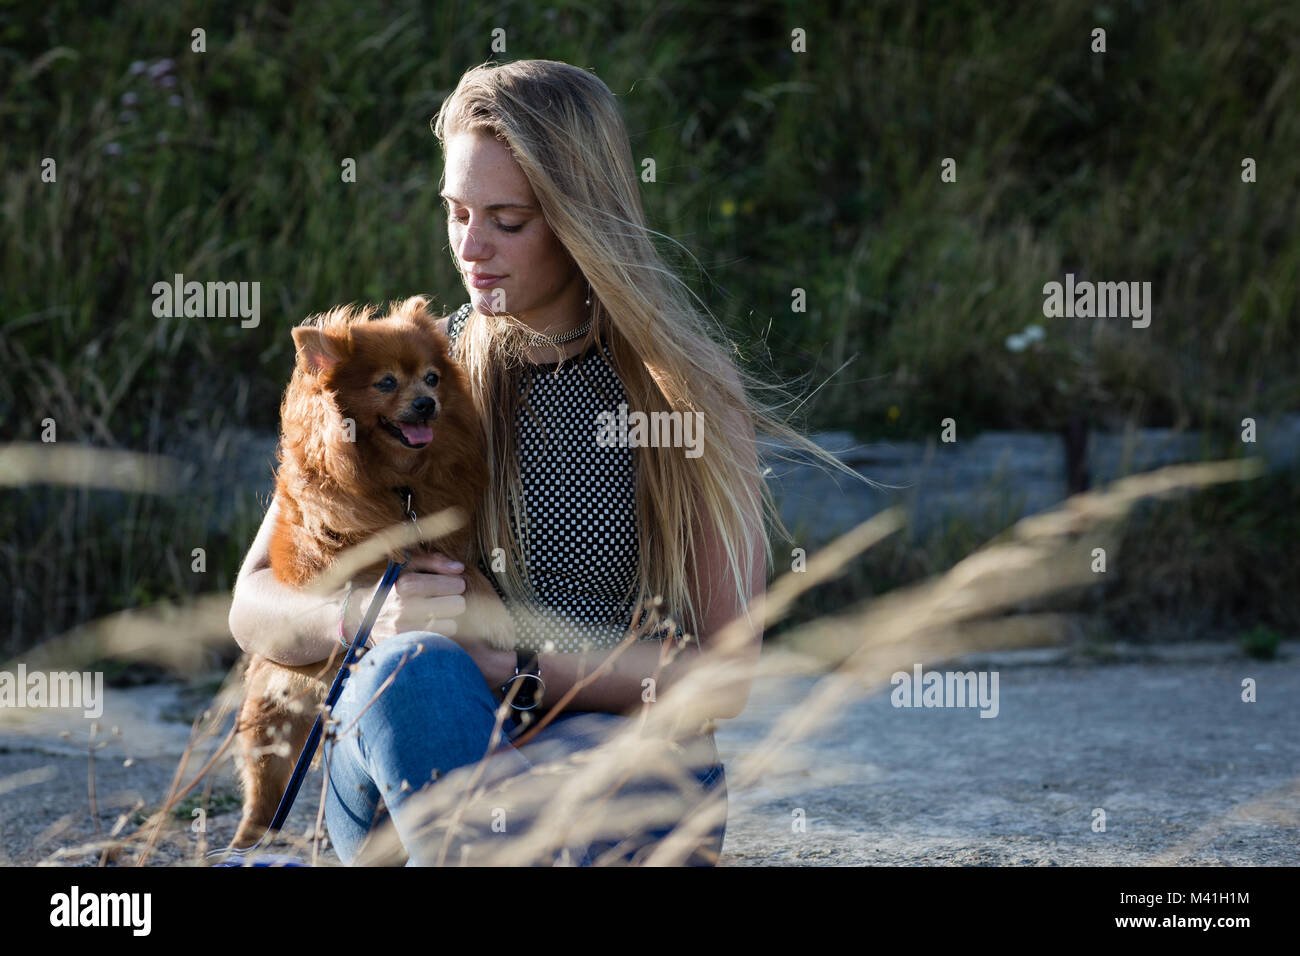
(471, 248)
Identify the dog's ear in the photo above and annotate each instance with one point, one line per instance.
(423, 319)
(319, 351)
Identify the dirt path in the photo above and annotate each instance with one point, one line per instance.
(1185, 771)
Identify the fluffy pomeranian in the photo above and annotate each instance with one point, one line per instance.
(376, 411)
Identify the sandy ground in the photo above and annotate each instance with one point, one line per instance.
(1161, 741)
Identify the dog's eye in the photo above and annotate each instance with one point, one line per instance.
(431, 379)
(386, 384)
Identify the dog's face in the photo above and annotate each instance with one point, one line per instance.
(391, 377)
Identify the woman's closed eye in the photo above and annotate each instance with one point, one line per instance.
(500, 225)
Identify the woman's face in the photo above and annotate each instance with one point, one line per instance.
(497, 230)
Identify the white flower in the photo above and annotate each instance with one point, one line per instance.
(1034, 333)
(1016, 343)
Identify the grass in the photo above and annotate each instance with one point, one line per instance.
(1061, 166)
(1261, 643)
(899, 561)
(945, 616)
(1213, 564)
(779, 171)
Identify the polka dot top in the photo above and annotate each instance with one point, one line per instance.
(580, 501)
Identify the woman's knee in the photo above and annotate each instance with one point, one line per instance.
(422, 655)
(388, 655)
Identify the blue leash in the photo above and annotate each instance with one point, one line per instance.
(318, 728)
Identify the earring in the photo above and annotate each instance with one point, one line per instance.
(588, 293)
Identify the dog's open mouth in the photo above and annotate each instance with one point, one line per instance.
(410, 434)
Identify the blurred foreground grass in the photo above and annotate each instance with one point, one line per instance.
(999, 597)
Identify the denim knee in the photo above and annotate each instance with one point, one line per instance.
(387, 655)
(411, 651)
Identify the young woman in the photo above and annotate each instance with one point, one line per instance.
(573, 321)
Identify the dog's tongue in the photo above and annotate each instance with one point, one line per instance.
(416, 434)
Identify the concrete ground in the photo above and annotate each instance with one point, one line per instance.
(1185, 772)
(1160, 740)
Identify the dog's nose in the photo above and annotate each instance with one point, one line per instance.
(426, 408)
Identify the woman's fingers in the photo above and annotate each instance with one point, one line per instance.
(413, 586)
(434, 562)
(449, 608)
(434, 614)
(427, 596)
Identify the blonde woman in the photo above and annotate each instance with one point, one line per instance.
(573, 328)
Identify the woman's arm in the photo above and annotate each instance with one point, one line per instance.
(293, 627)
(274, 619)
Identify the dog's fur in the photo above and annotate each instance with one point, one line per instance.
(336, 490)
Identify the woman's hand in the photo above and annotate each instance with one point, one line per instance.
(429, 595)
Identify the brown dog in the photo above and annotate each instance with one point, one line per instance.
(374, 405)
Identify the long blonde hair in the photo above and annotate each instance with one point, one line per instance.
(563, 127)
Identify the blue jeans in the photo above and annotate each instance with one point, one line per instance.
(438, 714)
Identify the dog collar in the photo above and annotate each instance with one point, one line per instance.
(406, 495)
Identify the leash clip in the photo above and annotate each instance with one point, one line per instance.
(409, 508)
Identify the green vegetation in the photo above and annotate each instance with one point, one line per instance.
(777, 170)
(1215, 563)
(1261, 642)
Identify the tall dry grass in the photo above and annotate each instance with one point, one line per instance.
(571, 803)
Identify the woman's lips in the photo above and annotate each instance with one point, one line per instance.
(484, 282)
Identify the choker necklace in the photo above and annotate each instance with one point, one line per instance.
(582, 330)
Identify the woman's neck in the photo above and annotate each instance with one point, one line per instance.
(565, 313)
(546, 354)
